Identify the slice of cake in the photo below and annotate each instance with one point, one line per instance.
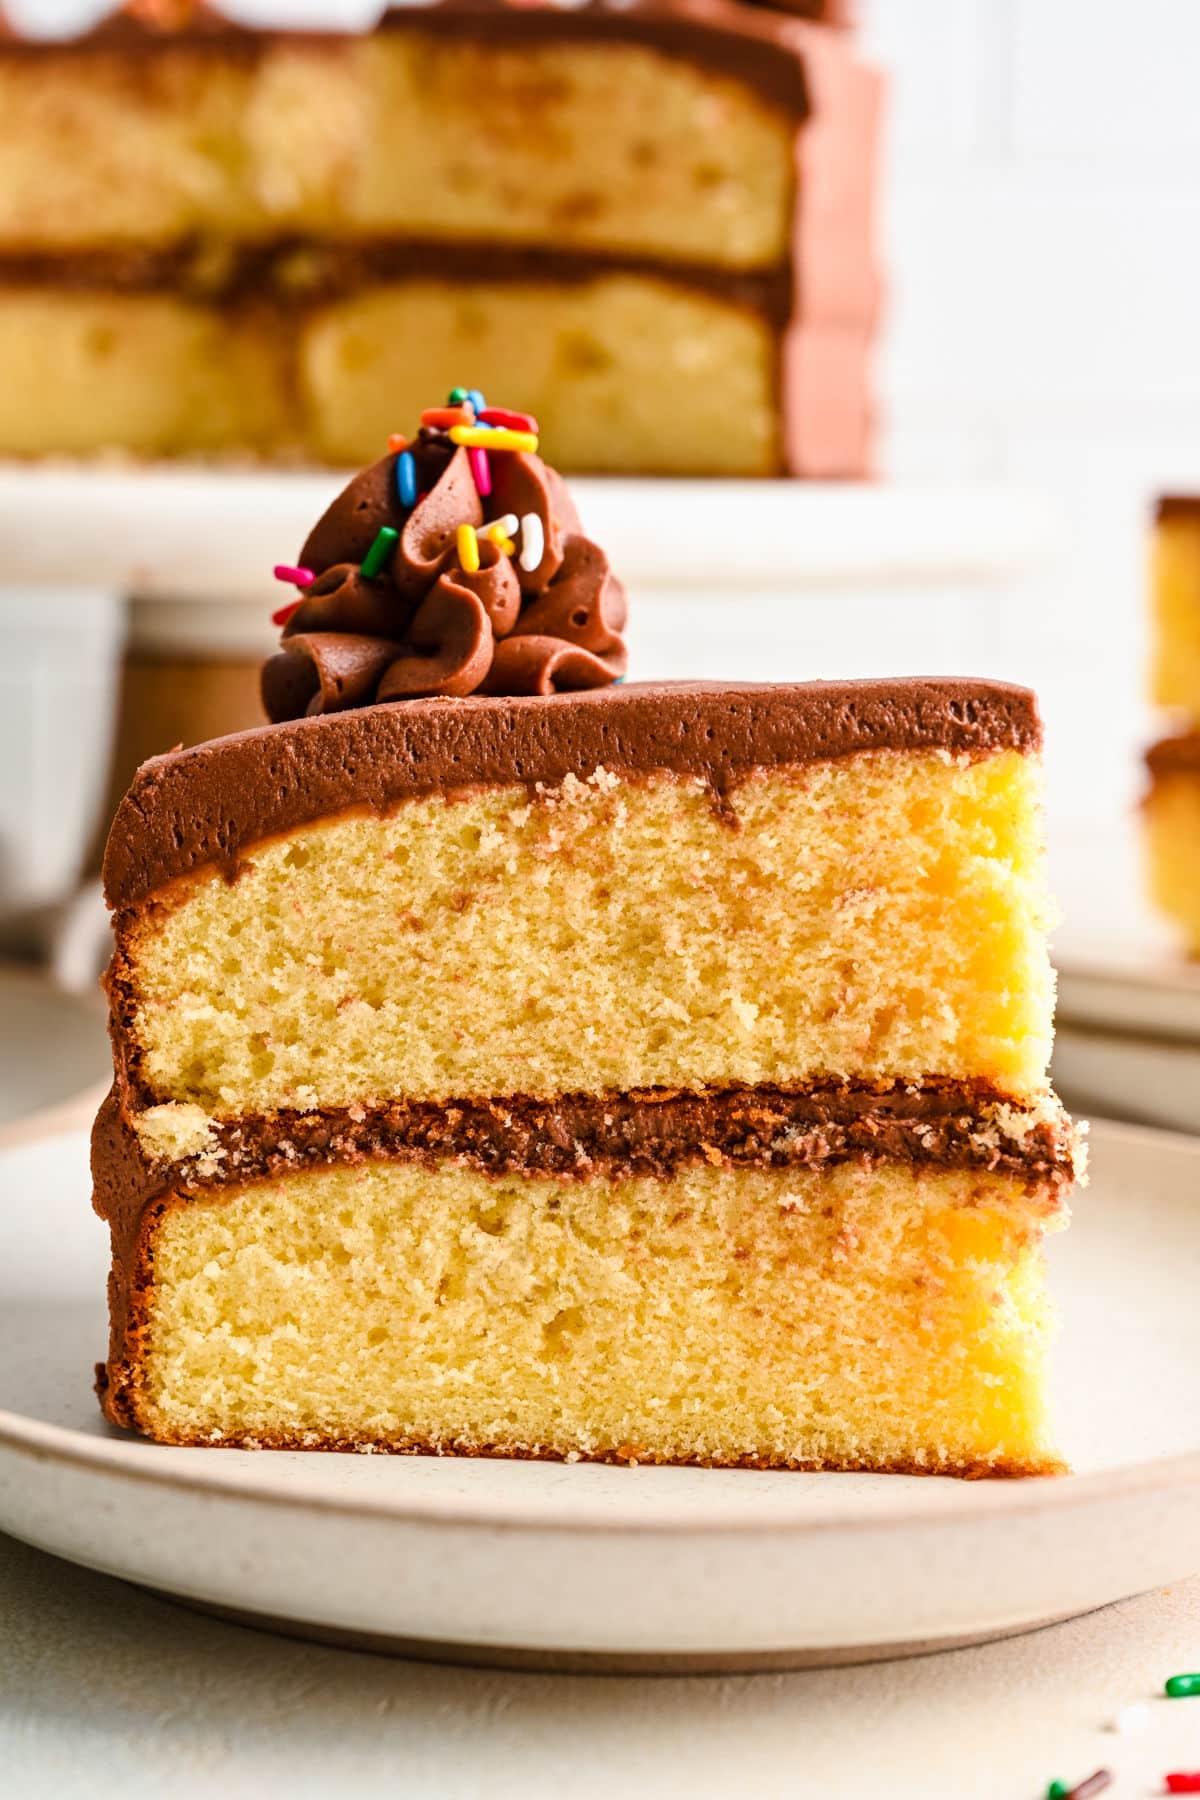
(655, 222)
(510, 1061)
(1171, 809)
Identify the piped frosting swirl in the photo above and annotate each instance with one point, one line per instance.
(396, 619)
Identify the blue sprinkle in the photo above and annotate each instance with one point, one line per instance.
(618, 680)
(477, 400)
(406, 478)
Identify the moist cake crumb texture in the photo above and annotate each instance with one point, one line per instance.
(610, 933)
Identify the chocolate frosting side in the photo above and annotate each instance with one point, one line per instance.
(203, 807)
(1175, 756)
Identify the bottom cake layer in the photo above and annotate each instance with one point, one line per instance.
(847, 1317)
(624, 371)
(1172, 817)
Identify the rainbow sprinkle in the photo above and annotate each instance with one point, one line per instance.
(286, 612)
(441, 418)
(406, 478)
(397, 441)
(476, 401)
(497, 415)
(533, 542)
(495, 437)
(386, 539)
(481, 469)
(297, 576)
(468, 549)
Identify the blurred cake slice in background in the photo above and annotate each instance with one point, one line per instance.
(655, 222)
(1171, 808)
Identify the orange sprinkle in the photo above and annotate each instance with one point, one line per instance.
(443, 417)
(397, 442)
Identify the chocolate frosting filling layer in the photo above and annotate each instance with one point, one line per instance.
(294, 273)
(944, 1124)
(205, 807)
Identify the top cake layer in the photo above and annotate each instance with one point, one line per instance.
(679, 889)
(572, 140)
(208, 805)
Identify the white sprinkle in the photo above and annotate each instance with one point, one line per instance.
(1131, 1718)
(504, 527)
(533, 542)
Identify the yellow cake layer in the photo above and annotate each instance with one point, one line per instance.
(605, 146)
(609, 147)
(877, 917)
(622, 371)
(1171, 815)
(147, 373)
(853, 1318)
(1175, 671)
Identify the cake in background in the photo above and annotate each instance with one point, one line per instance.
(652, 220)
(509, 1061)
(1172, 803)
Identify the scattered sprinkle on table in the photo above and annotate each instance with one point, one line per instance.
(1134, 1717)
(1182, 1781)
(1083, 1790)
(1182, 1687)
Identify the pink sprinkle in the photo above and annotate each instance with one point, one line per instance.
(481, 469)
(297, 577)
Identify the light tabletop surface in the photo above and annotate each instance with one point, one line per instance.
(105, 1690)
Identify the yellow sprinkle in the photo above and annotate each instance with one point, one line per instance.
(476, 437)
(468, 549)
(497, 535)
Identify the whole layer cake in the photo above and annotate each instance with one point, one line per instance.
(653, 221)
(1171, 808)
(509, 1061)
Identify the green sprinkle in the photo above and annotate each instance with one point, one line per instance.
(1183, 1687)
(385, 542)
(1058, 1790)
(456, 396)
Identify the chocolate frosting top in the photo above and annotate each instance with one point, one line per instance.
(204, 807)
(425, 623)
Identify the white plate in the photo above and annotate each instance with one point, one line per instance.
(509, 1561)
(1129, 981)
(55, 1061)
(1153, 1080)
